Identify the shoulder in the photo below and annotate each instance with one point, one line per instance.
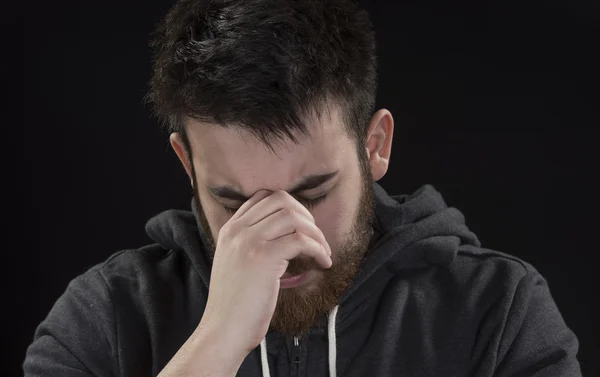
(151, 264)
(476, 278)
(132, 282)
(485, 277)
(491, 265)
(150, 259)
(514, 302)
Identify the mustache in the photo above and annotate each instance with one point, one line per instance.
(300, 265)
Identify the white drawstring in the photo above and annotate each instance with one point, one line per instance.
(332, 347)
(332, 341)
(263, 358)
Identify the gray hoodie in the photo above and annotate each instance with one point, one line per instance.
(428, 301)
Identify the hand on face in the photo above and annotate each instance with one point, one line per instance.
(253, 252)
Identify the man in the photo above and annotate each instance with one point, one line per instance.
(293, 261)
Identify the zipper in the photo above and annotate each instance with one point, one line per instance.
(296, 357)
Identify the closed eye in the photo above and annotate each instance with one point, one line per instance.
(308, 203)
(311, 203)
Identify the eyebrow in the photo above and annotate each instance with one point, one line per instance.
(307, 183)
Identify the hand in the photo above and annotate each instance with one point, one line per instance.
(253, 251)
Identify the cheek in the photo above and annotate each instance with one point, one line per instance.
(334, 218)
(215, 215)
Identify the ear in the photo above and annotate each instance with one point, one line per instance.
(181, 151)
(379, 142)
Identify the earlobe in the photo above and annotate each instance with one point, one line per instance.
(379, 143)
(179, 147)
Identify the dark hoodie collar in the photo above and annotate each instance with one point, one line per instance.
(180, 230)
(418, 231)
(411, 231)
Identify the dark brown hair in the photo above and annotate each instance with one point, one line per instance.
(263, 65)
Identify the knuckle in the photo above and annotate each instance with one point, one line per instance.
(257, 247)
(288, 211)
(297, 237)
(228, 229)
(223, 233)
(234, 232)
(232, 223)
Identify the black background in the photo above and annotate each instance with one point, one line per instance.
(495, 103)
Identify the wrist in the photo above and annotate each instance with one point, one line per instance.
(221, 355)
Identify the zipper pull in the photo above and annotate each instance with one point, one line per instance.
(296, 351)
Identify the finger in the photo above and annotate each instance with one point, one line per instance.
(296, 244)
(284, 222)
(275, 202)
(254, 199)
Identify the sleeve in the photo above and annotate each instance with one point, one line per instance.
(77, 338)
(536, 340)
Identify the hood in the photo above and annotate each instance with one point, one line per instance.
(416, 231)
(411, 231)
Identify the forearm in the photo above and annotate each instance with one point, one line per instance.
(204, 354)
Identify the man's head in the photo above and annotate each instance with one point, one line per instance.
(261, 94)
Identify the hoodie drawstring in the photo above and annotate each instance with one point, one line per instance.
(332, 341)
(332, 347)
(264, 362)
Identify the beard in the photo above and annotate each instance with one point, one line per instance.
(298, 309)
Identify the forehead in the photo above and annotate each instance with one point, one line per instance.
(234, 156)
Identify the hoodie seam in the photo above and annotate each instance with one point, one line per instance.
(513, 307)
(80, 360)
(494, 254)
(148, 250)
(114, 321)
(139, 251)
(113, 257)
